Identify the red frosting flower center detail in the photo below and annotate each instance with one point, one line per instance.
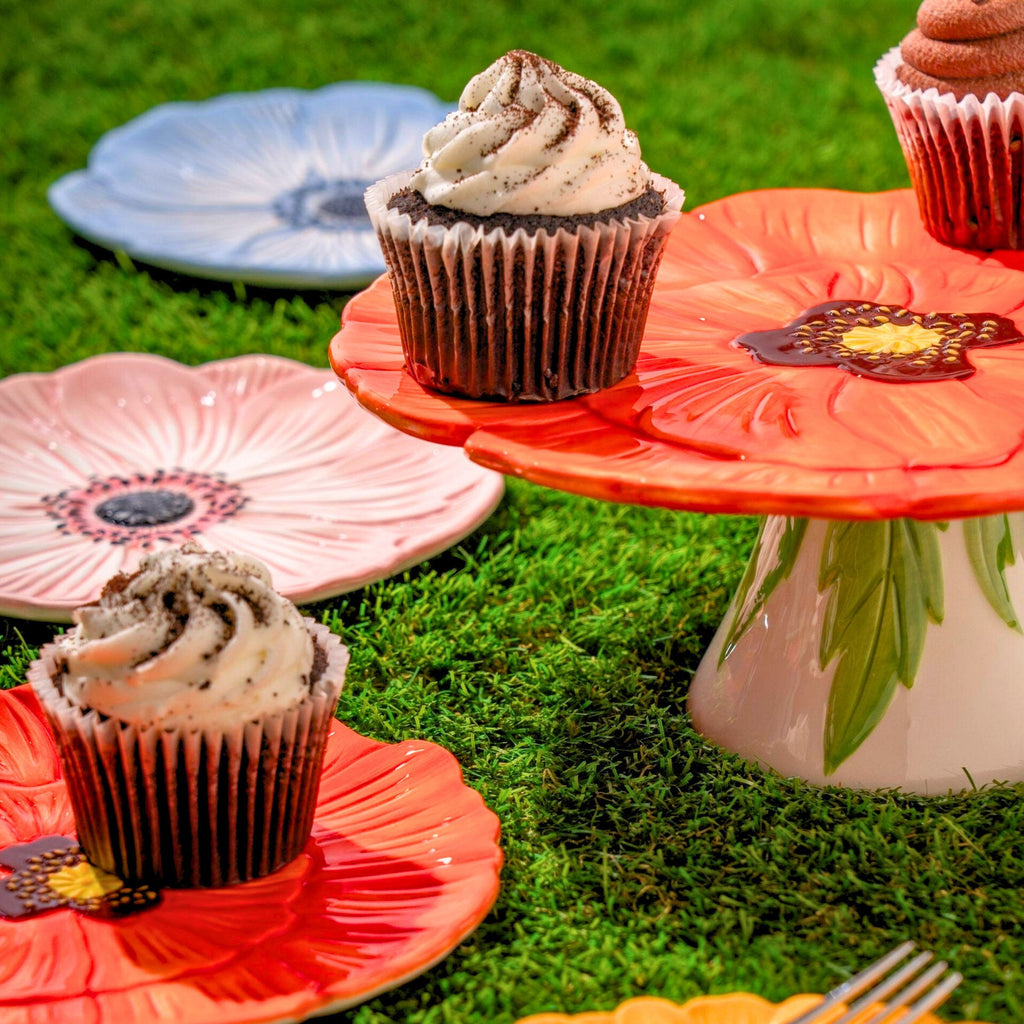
(164, 506)
(885, 343)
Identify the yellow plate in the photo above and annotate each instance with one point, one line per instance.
(735, 1008)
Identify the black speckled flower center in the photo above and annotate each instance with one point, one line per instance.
(52, 872)
(145, 508)
(884, 343)
(166, 506)
(334, 205)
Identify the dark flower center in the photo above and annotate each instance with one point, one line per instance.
(334, 205)
(52, 872)
(166, 506)
(884, 343)
(145, 508)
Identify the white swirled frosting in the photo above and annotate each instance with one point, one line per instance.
(191, 640)
(530, 137)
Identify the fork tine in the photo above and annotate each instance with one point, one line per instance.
(872, 986)
(892, 984)
(856, 984)
(933, 998)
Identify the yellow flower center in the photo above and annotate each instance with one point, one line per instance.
(82, 881)
(891, 339)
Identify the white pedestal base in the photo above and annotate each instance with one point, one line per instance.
(961, 722)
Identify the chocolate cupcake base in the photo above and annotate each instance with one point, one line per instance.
(964, 157)
(535, 312)
(177, 808)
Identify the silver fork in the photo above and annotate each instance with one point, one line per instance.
(917, 996)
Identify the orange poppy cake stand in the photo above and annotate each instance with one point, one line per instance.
(816, 358)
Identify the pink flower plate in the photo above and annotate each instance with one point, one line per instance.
(123, 453)
(819, 358)
(402, 865)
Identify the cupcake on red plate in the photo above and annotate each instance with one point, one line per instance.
(191, 705)
(523, 251)
(955, 90)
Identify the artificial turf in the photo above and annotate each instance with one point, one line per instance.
(552, 649)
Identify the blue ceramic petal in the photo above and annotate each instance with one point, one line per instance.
(264, 188)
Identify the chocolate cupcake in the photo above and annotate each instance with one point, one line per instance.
(523, 251)
(955, 90)
(191, 706)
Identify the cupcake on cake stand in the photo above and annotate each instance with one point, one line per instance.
(816, 358)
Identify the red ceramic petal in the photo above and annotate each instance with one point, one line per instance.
(403, 863)
(33, 800)
(730, 413)
(28, 755)
(783, 227)
(701, 425)
(44, 959)
(26, 813)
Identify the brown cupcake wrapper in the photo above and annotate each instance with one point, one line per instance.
(964, 157)
(520, 317)
(181, 808)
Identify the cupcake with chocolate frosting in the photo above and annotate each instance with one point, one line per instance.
(522, 252)
(955, 90)
(191, 705)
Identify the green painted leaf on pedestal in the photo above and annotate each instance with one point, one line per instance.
(750, 600)
(990, 550)
(885, 584)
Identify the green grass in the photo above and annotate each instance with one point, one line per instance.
(550, 651)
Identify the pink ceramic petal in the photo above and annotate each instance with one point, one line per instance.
(32, 403)
(55, 564)
(150, 410)
(701, 425)
(275, 456)
(51, 453)
(246, 377)
(403, 863)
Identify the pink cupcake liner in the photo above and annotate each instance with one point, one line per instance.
(964, 157)
(520, 317)
(185, 808)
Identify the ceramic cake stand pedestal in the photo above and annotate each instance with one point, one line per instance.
(816, 358)
(873, 654)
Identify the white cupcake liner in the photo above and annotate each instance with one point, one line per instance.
(965, 157)
(176, 807)
(515, 316)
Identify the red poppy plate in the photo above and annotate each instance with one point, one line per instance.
(904, 397)
(402, 865)
(127, 452)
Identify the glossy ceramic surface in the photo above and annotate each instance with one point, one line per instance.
(819, 357)
(703, 424)
(880, 654)
(733, 1008)
(123, 453)
(263, 187)
(403, 863)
